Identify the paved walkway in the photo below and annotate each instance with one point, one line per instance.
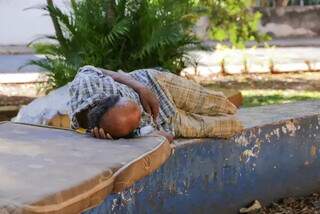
(15, 49)
(281, 59)
(258, 60)
(12, 69)
(285, 42)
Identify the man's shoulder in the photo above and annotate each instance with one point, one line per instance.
(89, 70)
(92, 75)
(145, 73)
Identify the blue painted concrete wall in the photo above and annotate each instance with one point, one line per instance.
(220, 176)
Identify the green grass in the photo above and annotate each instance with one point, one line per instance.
(269, 97)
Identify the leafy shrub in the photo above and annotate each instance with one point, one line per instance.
(134, 34)
(233, 20)
(116, 34)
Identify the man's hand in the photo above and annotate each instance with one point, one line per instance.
(149, 101)
(100, 133)
(167, 135)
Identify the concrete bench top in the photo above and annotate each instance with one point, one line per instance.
(46, 170)
(52, 170)
(276, 156)
(267, 115)
(263, 115)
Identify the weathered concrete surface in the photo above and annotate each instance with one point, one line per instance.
(47, 170)
(292, 21)
(276, 156)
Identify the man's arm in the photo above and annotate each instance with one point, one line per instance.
(148, 100)
(167, 135)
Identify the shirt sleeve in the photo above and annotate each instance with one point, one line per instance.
(89, 86)
(144, 131)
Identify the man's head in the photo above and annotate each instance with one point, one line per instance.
(116, 115)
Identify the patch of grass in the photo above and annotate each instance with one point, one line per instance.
(269, 97)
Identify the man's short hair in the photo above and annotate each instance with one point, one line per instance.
(95, 114)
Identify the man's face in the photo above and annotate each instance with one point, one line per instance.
(122, 119)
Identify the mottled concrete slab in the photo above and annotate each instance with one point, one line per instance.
(276, 156)
(256, 117)
(42, 167)
(264, 115)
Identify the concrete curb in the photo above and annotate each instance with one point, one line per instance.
(208, 64)
(32, 77)
(15, 50)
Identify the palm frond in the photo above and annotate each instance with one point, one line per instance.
(116, 34)
(120, 29)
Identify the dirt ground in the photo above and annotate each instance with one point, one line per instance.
(308, 81)
(300, 205)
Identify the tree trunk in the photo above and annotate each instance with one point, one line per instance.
(282, 3)
(110, 10)
(264, 3)
(56, 24)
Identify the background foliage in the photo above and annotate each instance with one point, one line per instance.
(123, 34)
(277, 3)
(134, 34)
(233, 20)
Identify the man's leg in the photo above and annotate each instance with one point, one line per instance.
(191, 125)
(192, 97)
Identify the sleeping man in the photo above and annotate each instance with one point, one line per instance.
(114, 105)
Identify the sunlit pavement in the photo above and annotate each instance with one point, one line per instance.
(203, 63)
(255, 60)
(14, 69)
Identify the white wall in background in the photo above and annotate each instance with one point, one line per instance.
(19, 26)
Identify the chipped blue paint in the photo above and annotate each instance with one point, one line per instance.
(220, 176)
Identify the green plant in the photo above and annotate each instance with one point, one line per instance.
(116, 34)
(258, 97)
(233, 20)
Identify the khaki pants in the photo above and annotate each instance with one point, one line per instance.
(201, 112)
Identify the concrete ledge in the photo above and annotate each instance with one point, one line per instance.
(9, 108)
(48, 170)
(255, 60)
(12, 70)
(276, 156)
(209, 64)
(32, 77)
(15, 49)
